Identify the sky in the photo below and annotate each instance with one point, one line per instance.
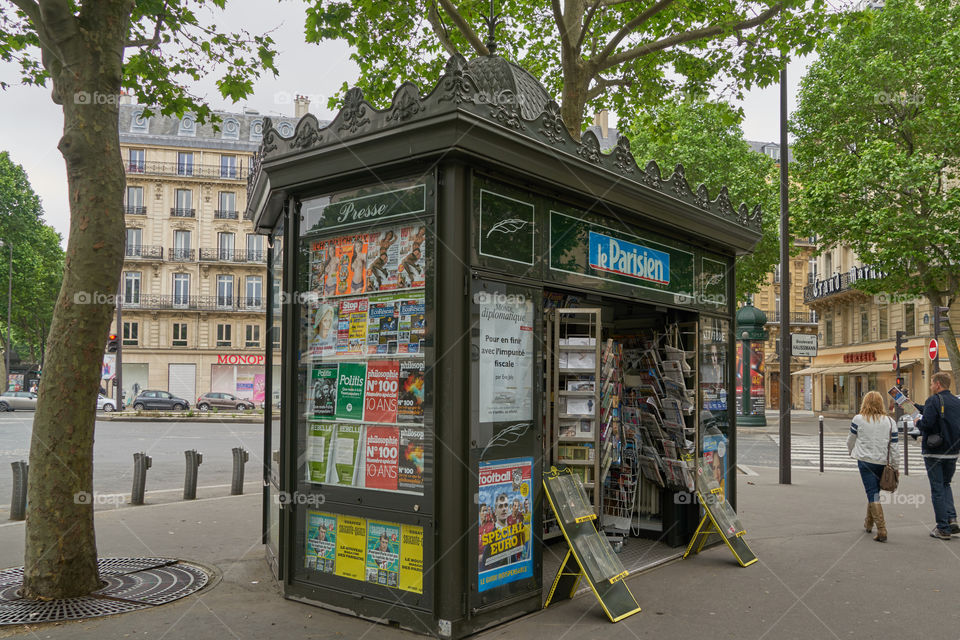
(31, 124)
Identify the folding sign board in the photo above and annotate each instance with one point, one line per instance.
(718, 518)
(590, 556)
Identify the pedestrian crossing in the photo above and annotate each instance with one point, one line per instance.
(805, 454)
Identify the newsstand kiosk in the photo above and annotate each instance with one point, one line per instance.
(420, 256)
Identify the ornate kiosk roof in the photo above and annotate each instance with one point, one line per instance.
(496, 111)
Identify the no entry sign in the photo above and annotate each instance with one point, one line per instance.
(934, 348)
(896, 362)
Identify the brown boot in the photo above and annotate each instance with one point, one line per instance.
(876, 509)
(868, 521)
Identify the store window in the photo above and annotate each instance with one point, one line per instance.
(179, 334)
(224, 335)
(910, 319)
(253, 335)
(131, 333)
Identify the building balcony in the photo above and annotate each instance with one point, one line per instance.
(233, 255)
(134, 210)
(178, 254)
(225, 303)
(225, 214)
(179, 212)
(143, 252)
(796, 317)
(187, 170)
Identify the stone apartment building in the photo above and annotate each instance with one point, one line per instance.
(194, 276)
(858, 336)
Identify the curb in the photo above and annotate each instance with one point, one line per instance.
(114, 416)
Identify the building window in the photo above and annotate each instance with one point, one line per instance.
(776, 274)
(188, 126)
(828, 264)
(228, 166)
(181, 245)
(275, 337)
(134, 245)
(139, 124)
(255, 248)
(131, 288)
(134, 201)
(253, 335)
(227, 205)
(230, 129)
(224, 291)
(131, 333)
(136, 161)
(256, 131)
(864, 324)
(828, 331)
(812, 273)
(181, 289)
(179, 334)
(277, 296)
(185, 163)
(254, 292)
(910, 319)
(884, 313)
(184, 203)
(224, 338)
(225, 245)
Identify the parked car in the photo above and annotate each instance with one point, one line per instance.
(222, 400)
(105, 404)
(12, 400)
(148, 399)
(276, 401)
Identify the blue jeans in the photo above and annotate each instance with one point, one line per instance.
(940, 472)
(870, 474)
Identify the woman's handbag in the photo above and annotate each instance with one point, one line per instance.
(890, 477)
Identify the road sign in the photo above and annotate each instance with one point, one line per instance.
(896, 361)
(934, 348)
(803, 344)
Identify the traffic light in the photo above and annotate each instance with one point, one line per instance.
(901, 342)
(941, 318)
(112, 343)
(900, 382)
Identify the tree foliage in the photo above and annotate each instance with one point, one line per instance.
(706, 138)
(878, 150)
(619, 54)
(87, 51)
(37, 259)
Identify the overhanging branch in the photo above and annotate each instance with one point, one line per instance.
(628, 28)
(464, 28)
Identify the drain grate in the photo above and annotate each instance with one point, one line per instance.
(131, 584)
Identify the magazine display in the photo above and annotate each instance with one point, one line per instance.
(365, 328)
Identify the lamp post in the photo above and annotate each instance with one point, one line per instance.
(3, 243)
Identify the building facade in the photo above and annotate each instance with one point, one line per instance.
(857, 334)
(803, 319)
(192, 293)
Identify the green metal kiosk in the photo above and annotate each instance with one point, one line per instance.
(413, 251)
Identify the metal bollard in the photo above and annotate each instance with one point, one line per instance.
(18, 502)
(821, 444)
(141, 462)
(906, 420)
(240, 457)
(194, 460)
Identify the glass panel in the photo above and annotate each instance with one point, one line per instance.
(228, 166)
(714, 395)
(134, 247)
(181, 289)
(254, 291)
(136, 164)
(225, 245)
(224, 291)
(185, 164)
(131, 288)
(228, 201)
(134, 196)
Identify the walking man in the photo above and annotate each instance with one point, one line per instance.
(940, 428)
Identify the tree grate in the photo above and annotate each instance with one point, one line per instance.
(130, 584)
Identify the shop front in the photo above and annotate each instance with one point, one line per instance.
(470, 297)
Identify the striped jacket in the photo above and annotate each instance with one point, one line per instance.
(869, 437)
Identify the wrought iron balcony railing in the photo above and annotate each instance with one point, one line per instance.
(143, 252)
(225, 214)
(179, 212)
(179, 254)
(134, 210)
(232, 255)
(226, 303)
(187, 170)
(796, 317)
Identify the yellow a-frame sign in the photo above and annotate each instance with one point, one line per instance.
(589, 557)
(717, 510)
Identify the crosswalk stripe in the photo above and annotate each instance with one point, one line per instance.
(835, 455)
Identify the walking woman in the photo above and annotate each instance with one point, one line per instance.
(873, 436)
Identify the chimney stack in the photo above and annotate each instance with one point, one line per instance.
(301, 106)
(602, 120)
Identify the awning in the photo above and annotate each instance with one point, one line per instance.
(841, 369)
(876, 367)
(807, 371)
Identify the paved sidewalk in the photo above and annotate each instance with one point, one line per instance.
(819, 576)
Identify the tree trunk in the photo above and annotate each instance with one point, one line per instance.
(61, 555)
(576, 82)
(948, 339)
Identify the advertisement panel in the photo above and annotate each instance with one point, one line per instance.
(506, 540)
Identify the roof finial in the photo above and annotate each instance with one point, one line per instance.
(491, 22)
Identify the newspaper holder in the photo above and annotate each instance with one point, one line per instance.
(709, 525)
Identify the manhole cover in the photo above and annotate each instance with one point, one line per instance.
(131, 584)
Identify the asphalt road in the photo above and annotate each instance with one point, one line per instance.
(116, 442)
